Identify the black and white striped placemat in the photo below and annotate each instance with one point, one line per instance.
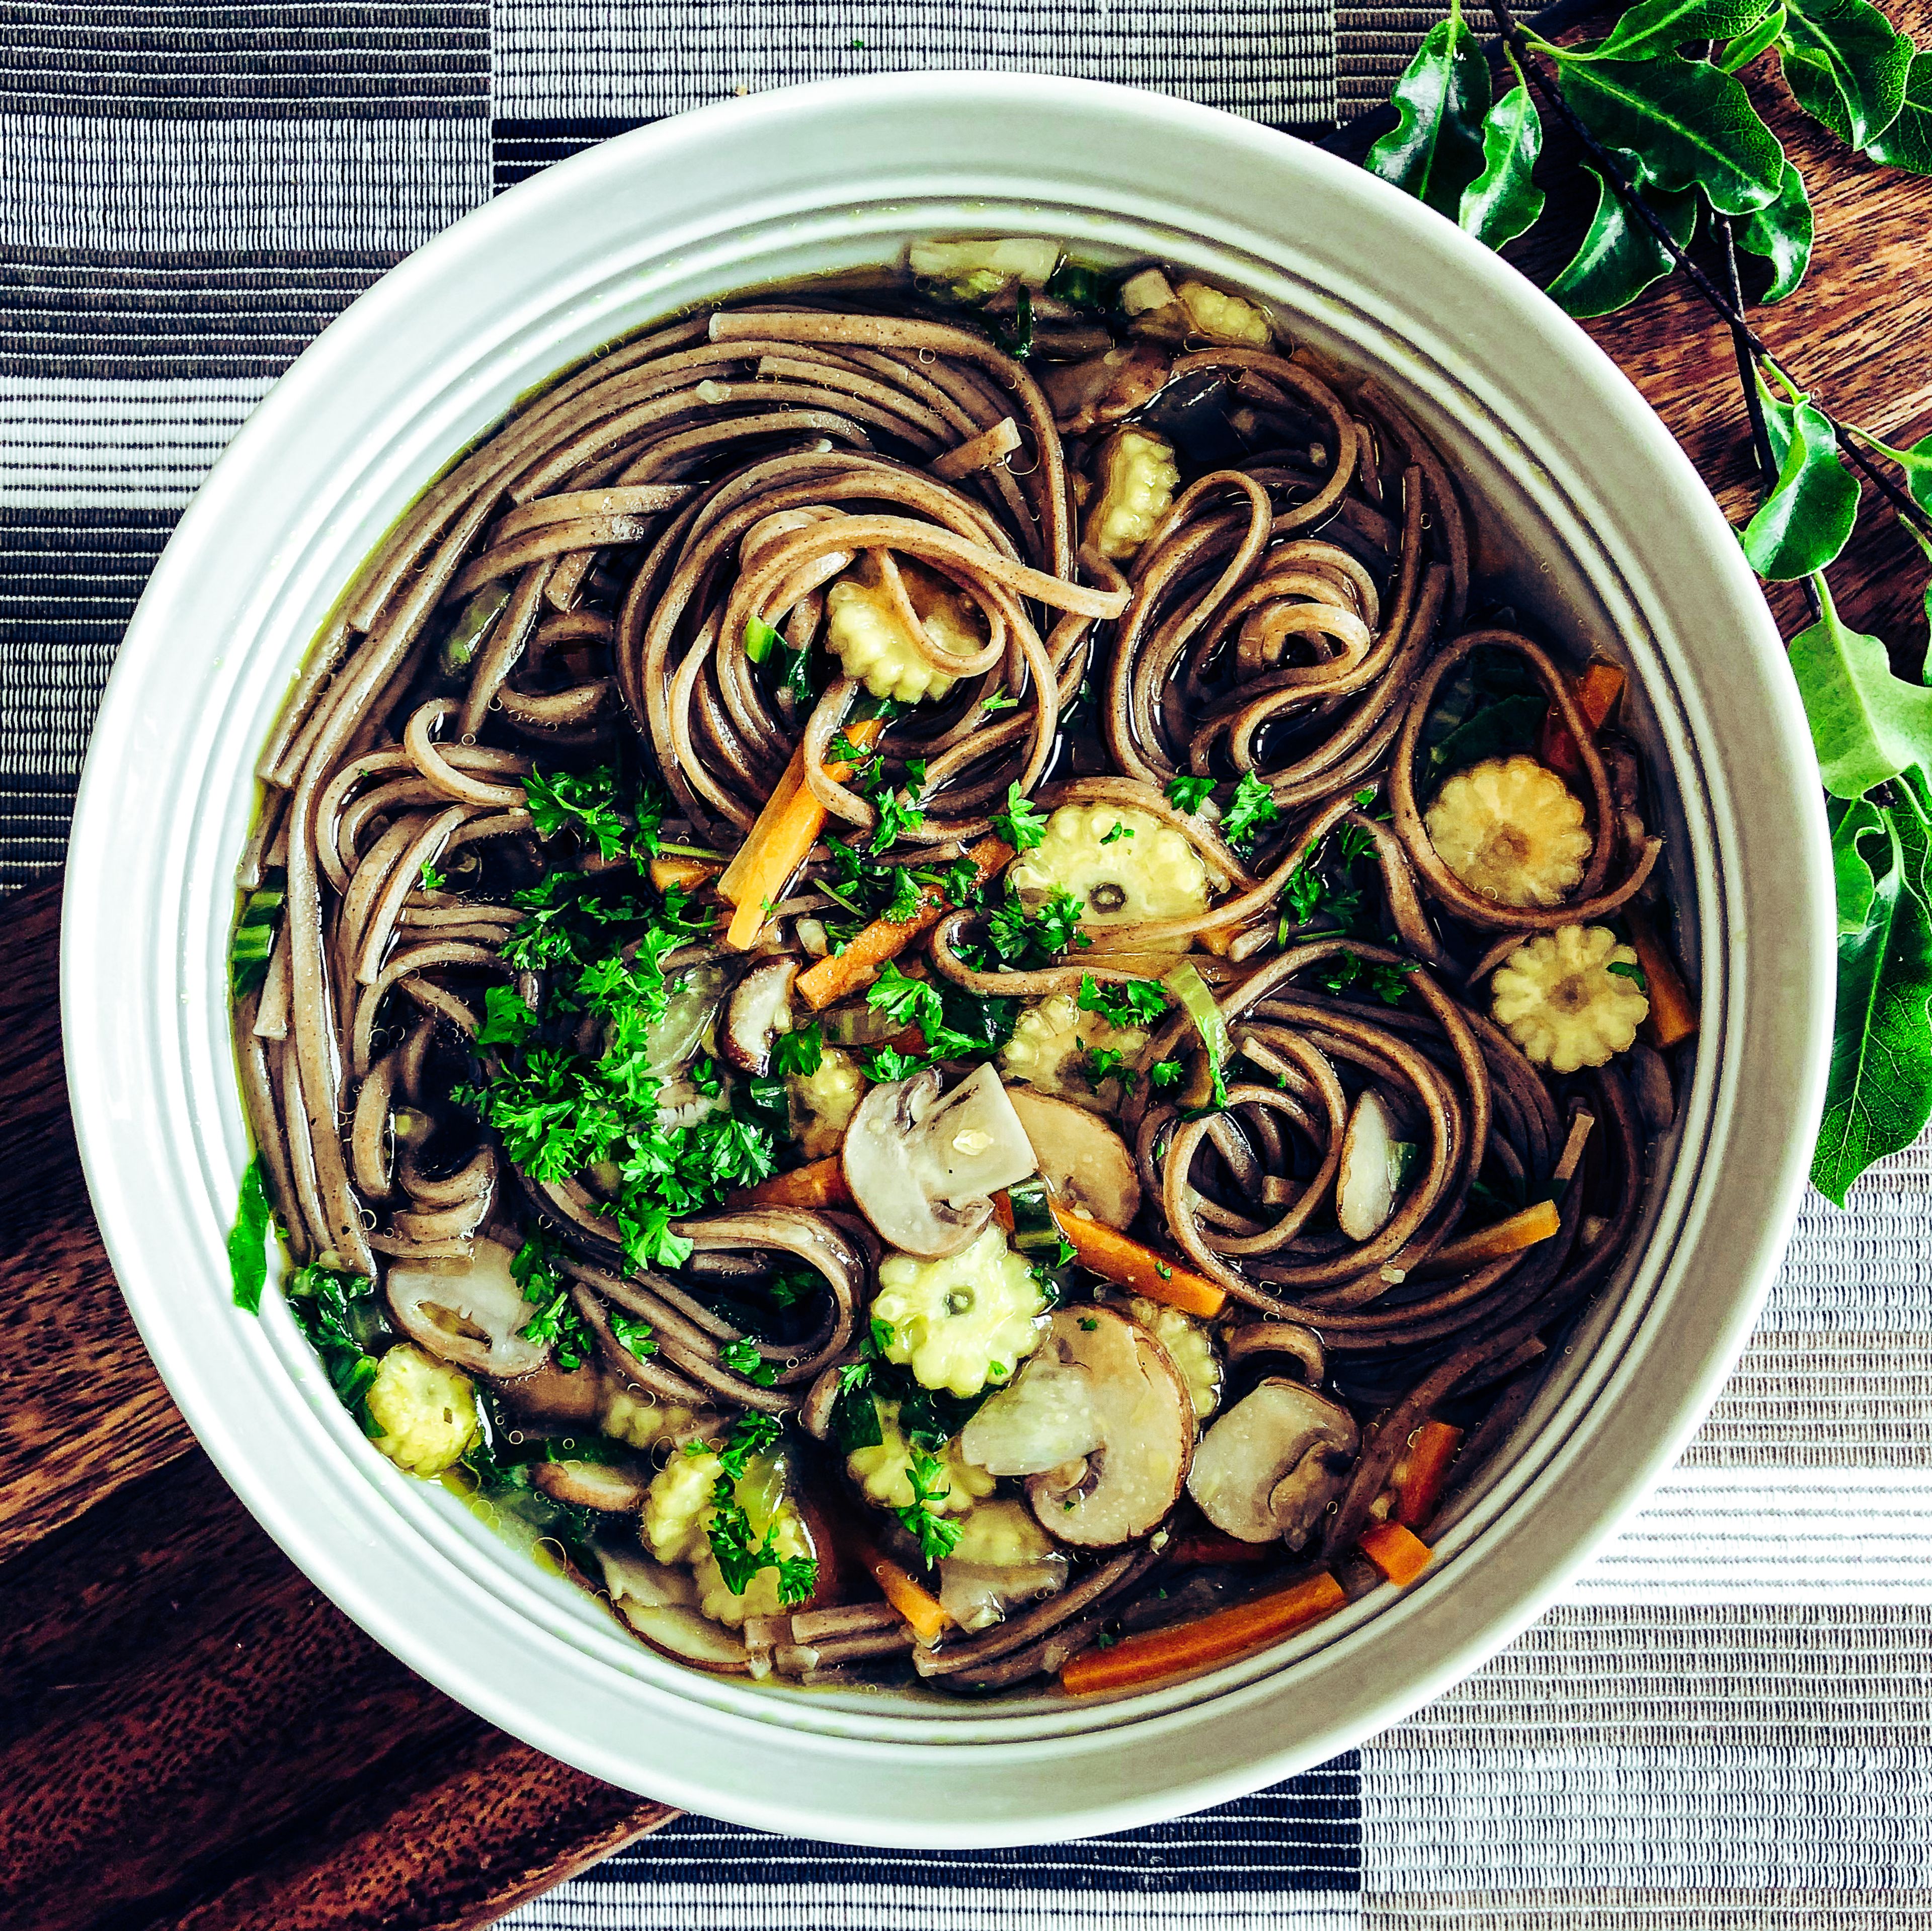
(1729, 1723)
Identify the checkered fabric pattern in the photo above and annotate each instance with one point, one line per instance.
(1726, 1724)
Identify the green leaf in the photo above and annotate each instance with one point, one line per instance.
(1807, 518)
(1867, 725)
(1654, 28)
(1620, 257)
(1852, 821)
(248, 1241)
(1781, 232)
(1907, 142)
(1846, 66)
(1746, 48)
(1924, 544)
(1689, 125)
(1502, 202)
(1435, 149)
(1878, 1094)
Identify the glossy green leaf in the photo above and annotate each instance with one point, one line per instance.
(1852, 821)
(1503, 201)
(1924, 544)
(1781, 233)
(1655, 27)
(1620, 257)
(1867, 725)
(248, 1240)
(1878, 1094)
(1807, 518)
(1846, 65)
(1435, 149)
(1907, 142)
(1746, 48)
(1691, 125)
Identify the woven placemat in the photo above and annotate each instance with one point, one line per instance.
(1726, 1724)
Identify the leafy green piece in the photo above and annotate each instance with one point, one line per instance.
(855, 1413)
(1019, 824)
(1655, 28)
(254, 937)
(1867, 725)
(760, 640)
(1781, 232)
(888, 1064)
(1509, 725)
(1251, 808)
(801, 1051)
(1808, 517)
(742, 1357)
(1503, 201)
(248, 1240)
(1106, 1062)
(1620, 257)
(1187, 792)
(557, 1322)
(1120, 829)
(751, 1435)
(633, 1332)
(507, 1020)
(1907, 142)
(343, 1318)
(1033, 938)
(1878, 1093)
(1746, 47)
(1434, 150)
(740, 1559)
(1131, 1003)
(1690, 126)
(585, 802)
(938, 1537)
(1846, 66)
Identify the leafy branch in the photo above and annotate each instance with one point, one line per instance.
(1672, 138)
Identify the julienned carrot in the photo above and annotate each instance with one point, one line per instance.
(1209, 1548)
(1673, 1019)
(1596, 692)
(685, 874)
(1522, 1230)
(1129, 1264)
(1396, 1553)
(840, 972)
(820, 1183)
(1135, 1661)
(776, 847)
(1429, 1456)
(929, 1620)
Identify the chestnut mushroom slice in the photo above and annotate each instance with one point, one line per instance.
(660, 1605)
(1122, 1487)
(1105, 388)
(759, 1010)
(606, 1486)
(922, 1170)
(1046, 1419)
(473, 1318)
(1085, 1163)
(1270, 1468)
(1371, 1171)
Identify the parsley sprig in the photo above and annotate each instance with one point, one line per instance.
(937, 1536)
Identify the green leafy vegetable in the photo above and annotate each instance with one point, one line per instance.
(1189, 794)
(1808, 517)
(1019, 824)
(340, 1314)
(253, 938)
(1131, 1003)
(1252, 809)
(1503, 201)
(633, 1333)
(248, 1241)
(740, 1559)
(556, 1322)
(507, 1020)
(801, 1051)
(888, 1064)
(742, 1357)
(1435, 150)
(1620, 257)
(1867, 725)
(1846, 66)
(938, 1537)
(1780, 231)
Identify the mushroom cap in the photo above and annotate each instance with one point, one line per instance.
(1123, 1488)
(1269, 1468)
(1085, 1162)
(922, 1169)
(607, 1486)
(474, 1316)
(1365, 1185)
(660, 1604)
(760, 1009)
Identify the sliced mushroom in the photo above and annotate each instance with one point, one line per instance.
(474, 1317)
(549, 1394)
(1271, 1466)
(1085, 1162)
(607, 1486)
(660, 1604)
(1003, 1559)
(1372, 1165)
(1048, 1417)
(922, 1170)
(759, 1010)
(1121, 1488)
(1105, 388)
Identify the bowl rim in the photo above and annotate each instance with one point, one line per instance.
(92, 1034)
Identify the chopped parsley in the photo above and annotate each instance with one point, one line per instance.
(632, 1333)
(1624, 970)
(888, 1064)
(1120, 829)
(534, 1268)
(1020, 824)
(342, 1316)
(936, 1536)
(1106, 1062)
(1029, 940)
(740, 1559)
(801, 1051)
(432, 879)
(997, 699)
(1250, 811)
(1187, 792)
(1133, 1002)
(742, 1357)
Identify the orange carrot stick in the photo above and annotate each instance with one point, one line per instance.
(921, 1609)
(820, 1184)
(1135, 1661)
(684, 874)
(1206, 1548)
(776, 847)
(1673, 1018)
(1129, 1264)
(1396, 1553)
(1429, 1456)
(1596, 692)
(840, 972)
(1522, 1230)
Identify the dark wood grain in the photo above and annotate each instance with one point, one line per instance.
(190, 1733)
(191, 1736)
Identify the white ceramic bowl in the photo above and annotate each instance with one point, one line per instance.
(1623, 548)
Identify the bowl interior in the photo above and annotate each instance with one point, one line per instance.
(1572, 475)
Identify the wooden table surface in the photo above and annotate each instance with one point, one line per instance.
(192, 1736)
